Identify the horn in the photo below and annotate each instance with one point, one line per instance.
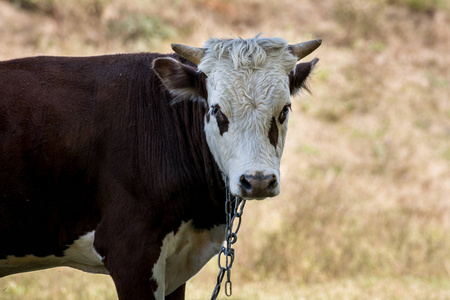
(303, 49)
(192, 54)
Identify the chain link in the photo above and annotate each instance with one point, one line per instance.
(234, 208)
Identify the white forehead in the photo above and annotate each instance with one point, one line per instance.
(246, 74)
(245, 54)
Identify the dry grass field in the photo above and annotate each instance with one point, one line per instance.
(364, 211)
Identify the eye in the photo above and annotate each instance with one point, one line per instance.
(222, 120)
(215, 111)
(286, 109)
(284, 113)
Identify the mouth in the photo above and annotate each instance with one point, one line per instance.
(255, 198)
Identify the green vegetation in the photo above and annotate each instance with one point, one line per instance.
(423, 6)
(34, 5)
(141, 30)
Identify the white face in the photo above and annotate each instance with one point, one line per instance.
(248, 88)
(246, 125)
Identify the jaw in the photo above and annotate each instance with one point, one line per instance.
(256, 198)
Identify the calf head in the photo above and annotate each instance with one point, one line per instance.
(246, 86)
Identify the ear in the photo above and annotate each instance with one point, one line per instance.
(298, 77)
(182, 81)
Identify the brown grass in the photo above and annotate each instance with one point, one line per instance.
(364, 211)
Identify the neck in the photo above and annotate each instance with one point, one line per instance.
(204, 179)
(189, 173)
(170, 158)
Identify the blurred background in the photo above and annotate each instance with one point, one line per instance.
(364, 211)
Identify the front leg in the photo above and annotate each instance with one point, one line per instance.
(136, 281)
(134, 260)
(135, 273)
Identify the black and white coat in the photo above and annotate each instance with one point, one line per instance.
(118, 164)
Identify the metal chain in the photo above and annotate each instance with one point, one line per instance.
(234, 209)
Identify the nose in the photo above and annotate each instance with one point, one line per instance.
(258, 186)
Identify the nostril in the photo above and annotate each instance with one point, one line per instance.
(273, 183)
(245, 184)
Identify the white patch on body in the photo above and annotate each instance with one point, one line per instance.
(183, 254)
(253, 92)
(80, 255)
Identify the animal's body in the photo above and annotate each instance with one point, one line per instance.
(108, 167)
